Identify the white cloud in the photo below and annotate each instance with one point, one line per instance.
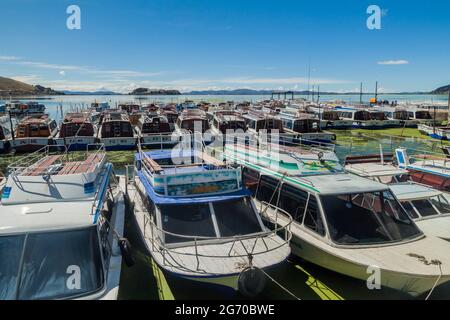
(9, 58)
(62, 73)
(31, 79)
(393, 62)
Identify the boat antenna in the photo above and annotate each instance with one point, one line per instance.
(381, 154)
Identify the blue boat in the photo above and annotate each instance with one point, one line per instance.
(199, 222)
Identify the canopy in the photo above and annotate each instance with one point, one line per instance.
(161, 199)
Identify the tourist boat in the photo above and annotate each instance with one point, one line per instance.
(171, 114)
(189, 122)
(337, 221)
(199, 223)
(129, 107)
(33, 133)
(116, 131)
(266, 127)
(154, 130)
(187, 105)
(76, 131)
(60, 228)
(6, 131)
(19, 109)
(223, 122)
(365, 119)
(400, 114)
(428, 207)
(436, 132)
(330, 118)
(430, 169)
(100, 106)
(307, 126)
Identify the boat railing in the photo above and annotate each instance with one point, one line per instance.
(427, 157)
(93, 152)
(279, 220)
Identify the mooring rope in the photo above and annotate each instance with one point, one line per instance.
(280, 285)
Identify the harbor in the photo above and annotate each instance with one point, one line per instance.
(137, 142)
(224, 159)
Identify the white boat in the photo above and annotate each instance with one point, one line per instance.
(428, 207)
(427, 168)
(342, 221)
(199, 223)
(59, 228)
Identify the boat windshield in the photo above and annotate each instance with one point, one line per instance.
(213, 220)
(367, 218)
(428, 207)
(50, 265)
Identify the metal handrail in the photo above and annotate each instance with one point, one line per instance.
(157, 242)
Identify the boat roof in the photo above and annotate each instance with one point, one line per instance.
(78, 117)
(45, 216)
(413, 191)
(372, 170)
(35, 119)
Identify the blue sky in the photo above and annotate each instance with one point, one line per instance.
(212, 44)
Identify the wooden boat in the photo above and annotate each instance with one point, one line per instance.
(61, 228)
(190, 121)
(306, 126)
(19, 109)
(33, 133)
(199, 223)
(171, 114)
(116, 131)
(154, 131)
(428, 207)
(224, 122)
(76, 132)
(336, 224)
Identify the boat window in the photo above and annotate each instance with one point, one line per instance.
(267, 190)
(425, 207)
(293, 201)
(187, 220)
(236, 217)
(313, 219)
(441, 203)
(410, 209)
(54, 265)
(11, 248)
(402, 178)
(367, 218)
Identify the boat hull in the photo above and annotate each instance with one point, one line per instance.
(412, 284)
(29, 144)
(75, 143)
(119, 143)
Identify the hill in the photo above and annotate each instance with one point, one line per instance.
(154, 92)
(441, 90)
(11, 87)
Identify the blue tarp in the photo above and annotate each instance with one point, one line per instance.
(161, 199)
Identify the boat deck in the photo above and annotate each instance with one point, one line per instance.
(71, 167)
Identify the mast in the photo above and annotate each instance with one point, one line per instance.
(360, 93)
(376, 91)
(448, 108)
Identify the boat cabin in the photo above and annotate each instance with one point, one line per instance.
(76, 124)
(36, 126)
(116, 124)
(192, 120)
(224, 121)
